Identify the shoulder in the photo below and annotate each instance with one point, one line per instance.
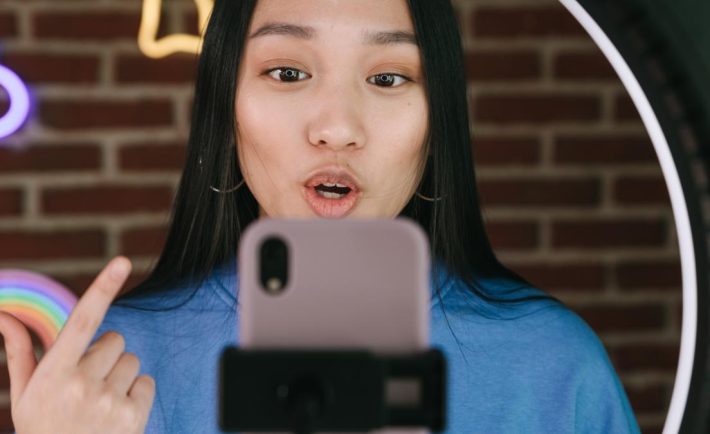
(524, 316)
(169, 311)
(529, 349)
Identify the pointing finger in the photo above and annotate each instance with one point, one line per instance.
(81, 326)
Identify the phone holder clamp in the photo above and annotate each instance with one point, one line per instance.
(343, 391)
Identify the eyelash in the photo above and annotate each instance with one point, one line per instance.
(271, 71)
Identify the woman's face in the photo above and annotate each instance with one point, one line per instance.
(331, 108)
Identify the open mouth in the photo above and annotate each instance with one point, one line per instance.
(332, 191)
(332, 194)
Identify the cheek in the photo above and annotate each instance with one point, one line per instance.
(269, 152)
(254, 142)
(261, 143)
(396, 159)
(403, 136)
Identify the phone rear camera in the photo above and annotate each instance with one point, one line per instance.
(273, 263)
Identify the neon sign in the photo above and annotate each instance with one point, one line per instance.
(181, 42)
(41, 303)
(19, 102)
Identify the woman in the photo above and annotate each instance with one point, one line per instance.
(320, 109)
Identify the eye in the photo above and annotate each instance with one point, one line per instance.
(286, 74)
(388, 80)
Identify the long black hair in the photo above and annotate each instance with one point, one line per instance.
(206, 225)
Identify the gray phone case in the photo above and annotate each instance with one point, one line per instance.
(353, 284)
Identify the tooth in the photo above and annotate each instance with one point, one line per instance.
(330, 195)
(328, 184)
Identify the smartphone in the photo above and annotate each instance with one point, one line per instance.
(336, 284)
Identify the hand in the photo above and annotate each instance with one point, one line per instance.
(74, 390)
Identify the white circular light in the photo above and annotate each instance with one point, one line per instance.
(680, 212)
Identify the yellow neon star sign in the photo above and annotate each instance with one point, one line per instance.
(148, 41)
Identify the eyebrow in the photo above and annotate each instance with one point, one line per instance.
(301, 32)
(390, 37)
(308, 33)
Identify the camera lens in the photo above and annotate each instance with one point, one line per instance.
(273, 264)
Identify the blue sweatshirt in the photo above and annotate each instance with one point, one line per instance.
(530, 367)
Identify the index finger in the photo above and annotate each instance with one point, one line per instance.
(89, 312)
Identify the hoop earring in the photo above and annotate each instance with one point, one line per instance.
(231, 190)
(217, 190)
(428, 199)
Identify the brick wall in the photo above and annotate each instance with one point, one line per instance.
(573, 193)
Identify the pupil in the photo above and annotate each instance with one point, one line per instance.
(385, 79)
(289, 75)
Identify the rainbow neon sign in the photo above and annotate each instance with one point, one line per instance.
(19, 102)
(39, 302)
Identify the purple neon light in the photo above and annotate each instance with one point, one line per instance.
(19, 102)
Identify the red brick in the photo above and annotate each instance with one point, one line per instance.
(583, 65)
(8, 25)
(86, 25)
(604, 149)
(134, 280)
(513, 235)
(54, 68)
(564, 276)
(106, 200)
(175, 69)
(502, 65)
(524, 22)
(625, 110)
(77, 283)
(6, 420)
(652, 427)
(648, 397)
(659, 357)
(10, 201)
(143, 241)
(4, 101)
(595, 233)
(152, 156)
(678, 315)
(50, 158)
(190, 21)
(19, 244)
(649, 274)
(499, 151)
(536, 108)
(97, 113)
(641, 191)
(607, 318)
(4, 377)
(521, 192)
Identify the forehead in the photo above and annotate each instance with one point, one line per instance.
(330, 16)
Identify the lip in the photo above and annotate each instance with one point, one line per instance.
(331, 208)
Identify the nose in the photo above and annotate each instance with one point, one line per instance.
(336, 119)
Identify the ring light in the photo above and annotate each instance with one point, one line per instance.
(685, 413)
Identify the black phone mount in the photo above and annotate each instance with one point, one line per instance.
(342, 391)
